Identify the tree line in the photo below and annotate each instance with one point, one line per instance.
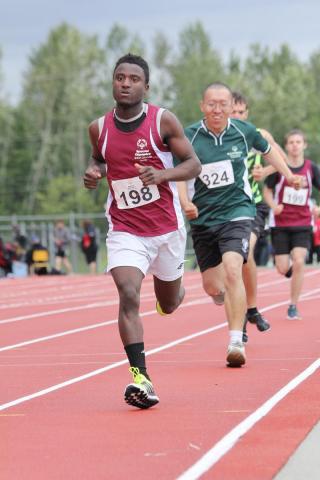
(44, 145)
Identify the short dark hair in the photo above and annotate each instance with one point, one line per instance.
(136, 60)
(294, 131)
(239, 98)
(216, 85)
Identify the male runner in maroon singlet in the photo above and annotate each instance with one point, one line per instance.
(133, 146)
(290, 221)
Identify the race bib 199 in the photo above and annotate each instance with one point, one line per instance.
(295, 197)
(131, 193)
(217, 174)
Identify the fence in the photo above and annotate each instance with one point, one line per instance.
(43, 225)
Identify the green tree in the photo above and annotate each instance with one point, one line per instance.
(313, 107)
(63, 91)
(44, 141)
(119, 42)
(65, 194)
(277, 85)
(6, 139)
(195, 66)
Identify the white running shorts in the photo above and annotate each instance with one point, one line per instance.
(162, 256)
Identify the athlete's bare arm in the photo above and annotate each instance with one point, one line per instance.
(268, 198)
(259, 172)
(173, 135)
(189, 208)
(96, 168)
(274, 158)
(267, 135)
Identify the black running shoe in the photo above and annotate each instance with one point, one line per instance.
(260, 322)
(289, 273)
(140, 393)
(245, 337)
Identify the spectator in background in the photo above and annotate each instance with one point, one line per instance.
(62, 240)
(5, 260)
(20, 243)
(37, 257)
(315, 236)
(89, 245)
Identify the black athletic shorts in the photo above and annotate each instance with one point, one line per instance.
(211, 243)
(60, 252)
(90, 254)
(284, 239)
(259, 222)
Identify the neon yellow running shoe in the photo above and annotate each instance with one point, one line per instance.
(159, 309)
(140, 393)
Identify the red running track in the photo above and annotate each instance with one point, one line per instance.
(63, 372)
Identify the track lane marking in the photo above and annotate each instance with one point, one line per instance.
(105, 303)
(209, 459)
(93, 373)
(198, 301)
(124, 362)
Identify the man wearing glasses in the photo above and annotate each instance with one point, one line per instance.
(219, 205)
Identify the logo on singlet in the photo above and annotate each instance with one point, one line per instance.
(142, 153)
(142, 143)
(235, 153)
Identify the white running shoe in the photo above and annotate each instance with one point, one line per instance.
(236, 355)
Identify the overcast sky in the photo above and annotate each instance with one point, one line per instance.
(232, 24)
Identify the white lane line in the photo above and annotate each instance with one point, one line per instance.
(285, 280)
(57, 335)
(228, 441)
(101, 304)
(114, 302)
(123, 362)
(56, 312)
(105, 369)
(105, 303)
(198, 301)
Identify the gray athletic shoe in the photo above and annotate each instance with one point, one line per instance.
(219, 298)
(293, 313)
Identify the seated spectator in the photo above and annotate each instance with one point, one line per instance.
(37, 258)
(20, 243)
(5, 260)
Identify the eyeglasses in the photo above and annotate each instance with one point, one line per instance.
(214, 105)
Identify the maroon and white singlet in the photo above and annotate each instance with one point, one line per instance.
(131, 207)
(296, 211)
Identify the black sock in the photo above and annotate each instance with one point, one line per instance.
(252, 311)
(136, 357)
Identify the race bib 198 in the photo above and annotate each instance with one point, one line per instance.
(295, 197)
(217, 174)
(131, 193)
